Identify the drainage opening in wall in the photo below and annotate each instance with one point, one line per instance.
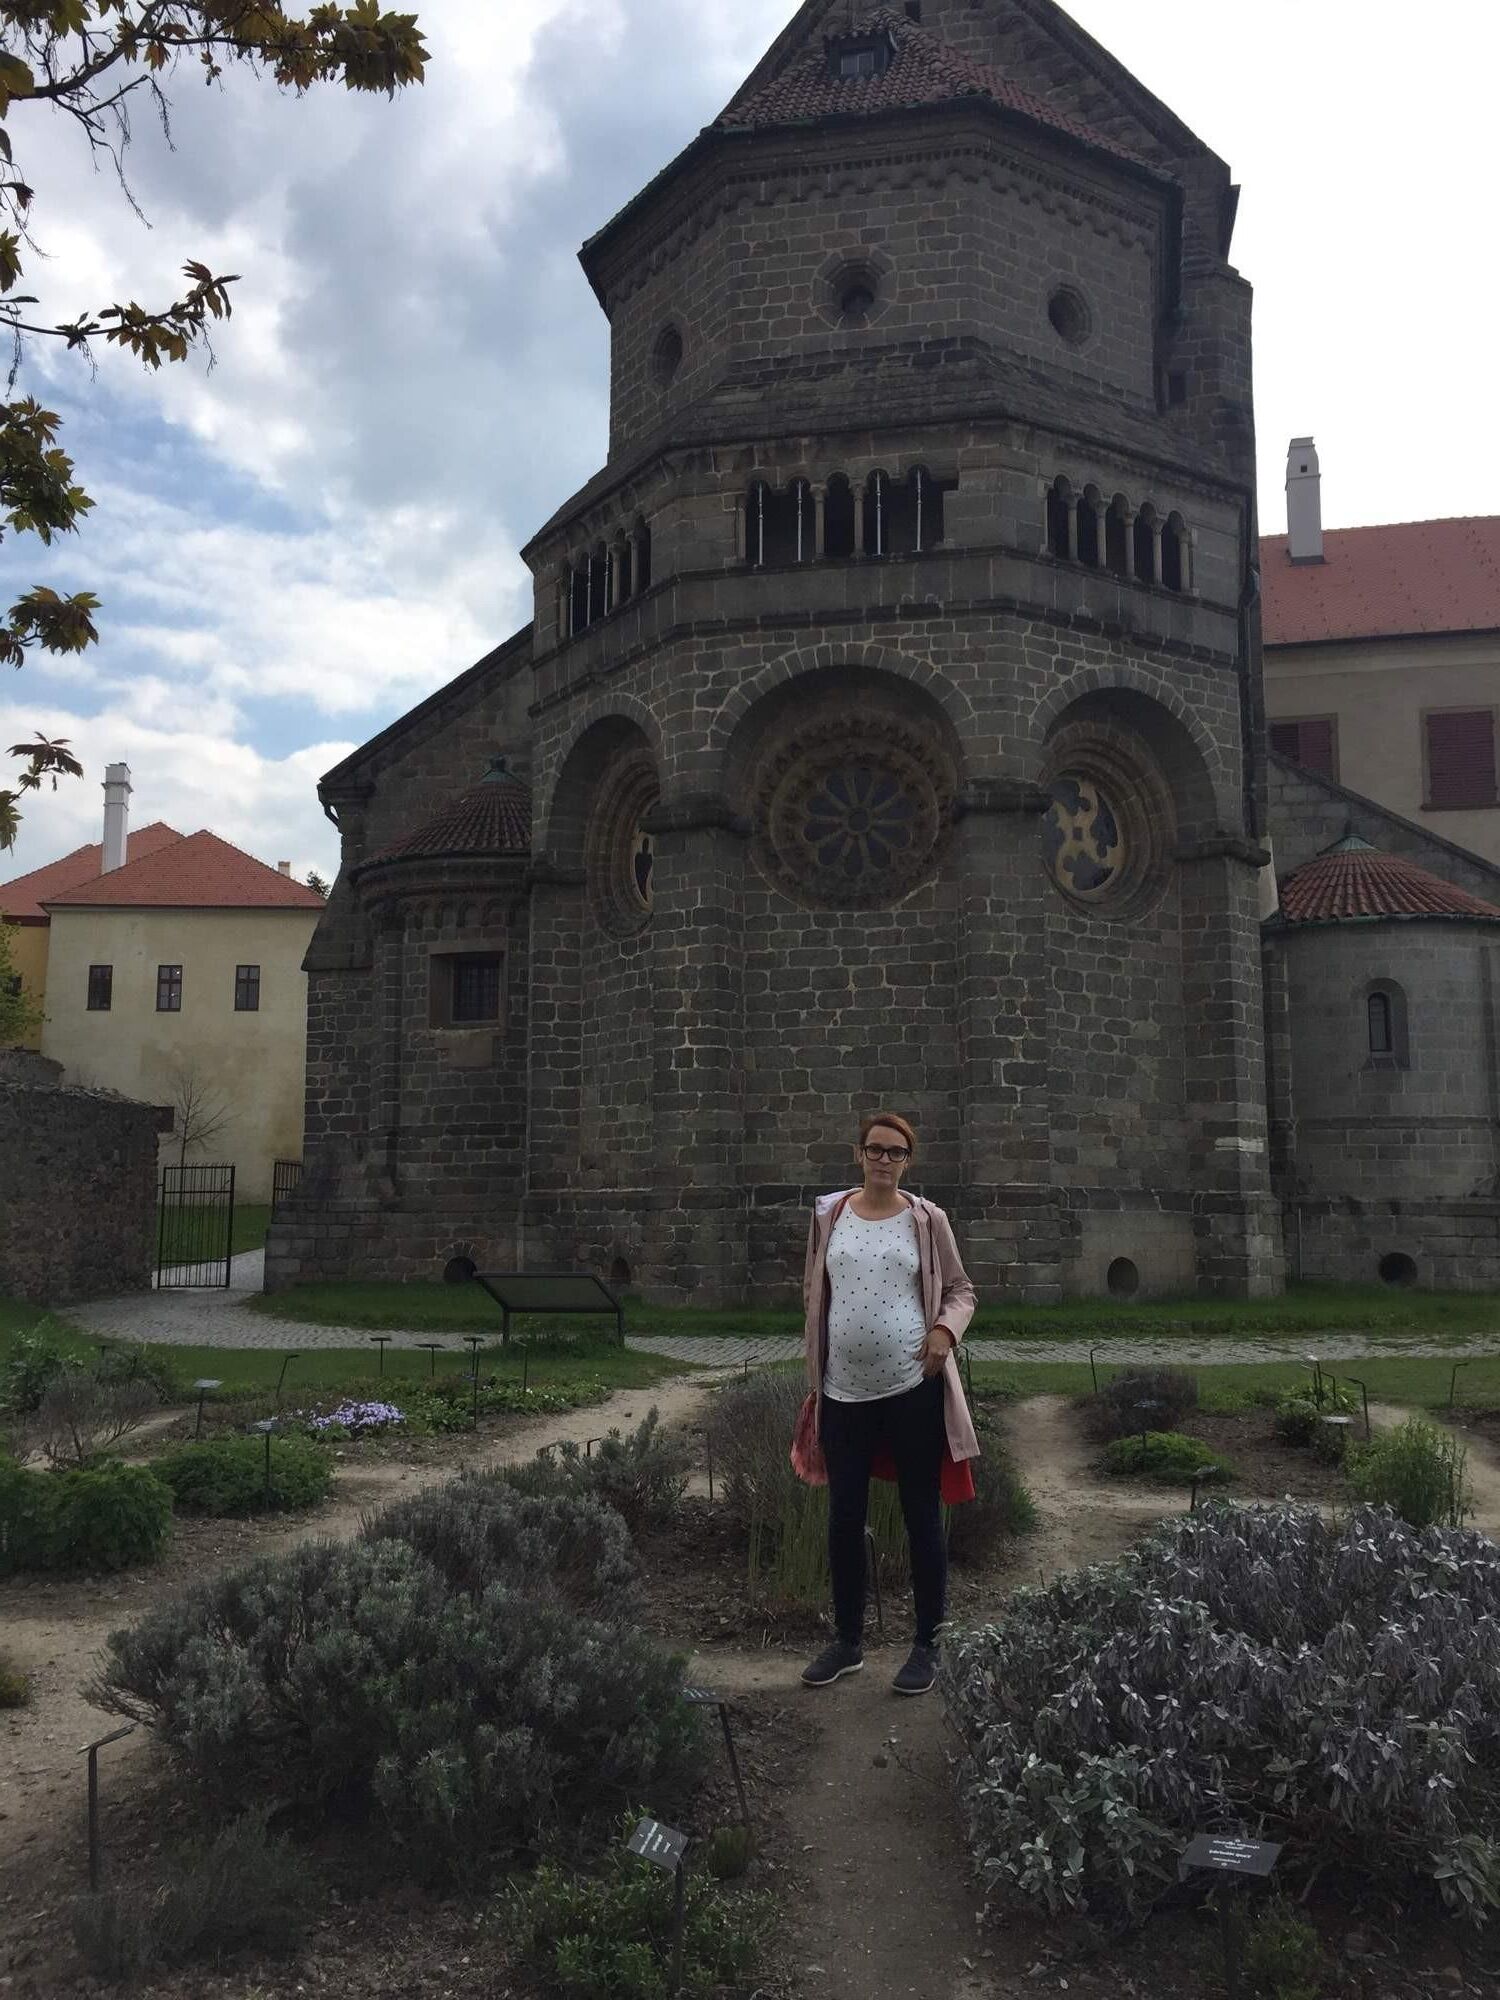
(459, 1270)
(1123, 1279)
(1396, 1268)
(619, 1272)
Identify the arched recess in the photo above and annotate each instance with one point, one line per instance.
(1151, 703)
(563, 793)
(847, 779)
(951, 703)
(594, 990)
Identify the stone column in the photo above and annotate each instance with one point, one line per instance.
(1156, 550)
(1074, 503)
(820, 519)
(1005, 1168)
(698, 1249)
(1234, 1216)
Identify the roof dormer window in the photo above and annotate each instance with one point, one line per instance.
(853, 58)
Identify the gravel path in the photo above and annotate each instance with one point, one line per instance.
(222, 1319)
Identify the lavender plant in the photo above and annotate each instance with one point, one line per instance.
(1334, 1687)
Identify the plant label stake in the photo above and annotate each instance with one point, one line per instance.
(1365, 1394)
(664, 1846)
(1223, 1854)
(1453, 1380)
(702, 1697)
(91, 1751)
(267, 1426)
(432, 1347)
(382, 1341)
(203, 1386)
(286, 1362)
(474, 1341)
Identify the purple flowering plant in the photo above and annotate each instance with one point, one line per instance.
(352, 1419)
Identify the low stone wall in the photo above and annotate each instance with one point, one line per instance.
(77, 1189)
(1445, 1246)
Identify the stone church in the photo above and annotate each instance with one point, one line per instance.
(889, 733)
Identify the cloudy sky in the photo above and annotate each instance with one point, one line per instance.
(295, 546)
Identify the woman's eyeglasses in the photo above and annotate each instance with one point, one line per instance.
(895, 1154)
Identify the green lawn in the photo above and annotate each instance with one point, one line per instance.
(191, 1234)
(356, 1370)
(1305, 1309)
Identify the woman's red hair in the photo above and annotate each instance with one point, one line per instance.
(897, 1124)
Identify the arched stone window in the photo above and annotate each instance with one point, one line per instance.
(780, 525)
(1387, 1044)
(642, 540)
(1147, 545)
(838, 517)
(1175, 557)
(1090, 506)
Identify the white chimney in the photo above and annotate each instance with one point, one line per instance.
(1304, 503)
(283, 868)
(116, 815)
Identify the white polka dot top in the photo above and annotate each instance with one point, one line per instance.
(876, 1325)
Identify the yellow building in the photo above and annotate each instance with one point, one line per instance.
(1382, 660)
(177, 978)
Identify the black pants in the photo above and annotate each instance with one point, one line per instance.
(911, 1426)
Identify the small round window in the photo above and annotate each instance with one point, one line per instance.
(1069, 314)
(1085, 839)
(666, 356)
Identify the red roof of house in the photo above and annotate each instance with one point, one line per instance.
(200, 872)
(21, 900)
(923, 70)
(1410, 577)
(492, 818)
(1352, 881)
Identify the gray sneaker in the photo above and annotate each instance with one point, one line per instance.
(919, 1675)
(832, 1664)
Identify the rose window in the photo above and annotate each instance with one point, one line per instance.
(851, 811)
(1085, 844)
(860, 820)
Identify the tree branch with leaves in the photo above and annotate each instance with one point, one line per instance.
(92, 61)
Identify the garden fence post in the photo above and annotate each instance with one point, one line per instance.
(91, 1750)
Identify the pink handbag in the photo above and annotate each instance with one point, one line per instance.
(807, 1448)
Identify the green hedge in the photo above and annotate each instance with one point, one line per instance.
(91, 1517)
(228, 1475)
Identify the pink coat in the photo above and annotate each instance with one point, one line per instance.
(947, 1300)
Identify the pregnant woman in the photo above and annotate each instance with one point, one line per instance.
(887, 1302)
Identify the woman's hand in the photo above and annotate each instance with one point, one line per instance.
(936, 1349)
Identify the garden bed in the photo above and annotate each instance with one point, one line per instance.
(1266, 1468)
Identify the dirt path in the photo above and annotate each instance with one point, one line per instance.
(55, 1628)
(1081, 1519)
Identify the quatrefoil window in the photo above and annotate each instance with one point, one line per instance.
(1084, 839)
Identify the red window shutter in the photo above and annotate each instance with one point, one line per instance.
(1461, 759)
(1309, 743)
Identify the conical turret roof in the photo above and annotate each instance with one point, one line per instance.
(493, 818)
(1354, 882)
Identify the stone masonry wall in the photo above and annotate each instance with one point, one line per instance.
(77, 1192)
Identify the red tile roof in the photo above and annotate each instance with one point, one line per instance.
(21, 899)
(923, 70)
(493, 818)
(200, 872)
(1410, 577)
(1352, 881)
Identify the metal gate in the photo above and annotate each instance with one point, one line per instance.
(286, 1178)
(195, 1228)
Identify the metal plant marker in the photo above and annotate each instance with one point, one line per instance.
(203, 1385)
(91, 1751)
(702, 1697)
(664, 1847)
(382, 1341)
(433, 1349)
(1225, 1854)
(286, 1362)
(268, 1427)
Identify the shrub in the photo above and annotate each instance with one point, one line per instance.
(36, 1358)
(751, 1430)
(1418, 1471)
(1001, 1506)
(1145, 1399)
(15, 1686)
(480, 1531)
(447, 1406)
(106, 1516)
(135, 1362)
(1282, 1957)
(80, 1414)
(642, 1474)
(1300, 1413)
(1333, 1687)
(610, 1934)
(85, 1517)
(1167, 1457)
(228, 1475)
(353, 1677)
(244, 1887)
